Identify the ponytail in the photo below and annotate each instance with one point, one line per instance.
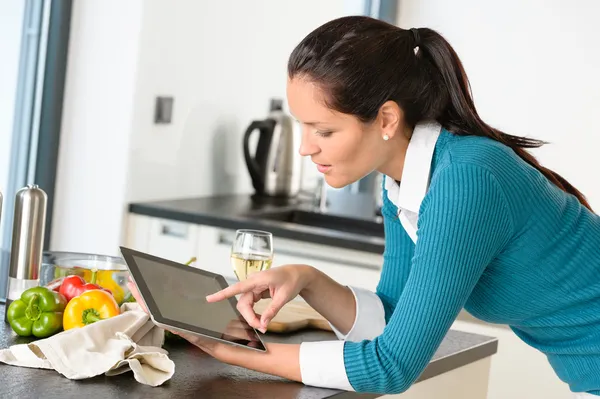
(461, 117)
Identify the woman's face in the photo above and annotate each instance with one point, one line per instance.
(343, 148)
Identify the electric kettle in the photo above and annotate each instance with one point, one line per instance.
(275, 166)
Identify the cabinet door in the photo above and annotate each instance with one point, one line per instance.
(214, 249)
(137, 232)
(173, 240)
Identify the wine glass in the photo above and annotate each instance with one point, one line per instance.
(251, 252)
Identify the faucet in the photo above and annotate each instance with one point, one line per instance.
(321, 195)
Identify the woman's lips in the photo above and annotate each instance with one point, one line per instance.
(323, 168)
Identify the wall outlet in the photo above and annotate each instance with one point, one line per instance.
(163, 110)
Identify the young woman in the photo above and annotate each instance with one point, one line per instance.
(471, 219)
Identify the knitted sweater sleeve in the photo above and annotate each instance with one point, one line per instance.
(464, 223)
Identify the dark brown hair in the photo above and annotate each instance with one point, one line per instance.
(362, 62)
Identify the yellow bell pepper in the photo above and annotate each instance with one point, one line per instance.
(88, 308)
(104, 278)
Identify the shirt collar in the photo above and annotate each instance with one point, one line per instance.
(417, 168)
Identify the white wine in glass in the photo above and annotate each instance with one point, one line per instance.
(251, 252)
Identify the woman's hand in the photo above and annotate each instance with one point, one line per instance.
(235, 330)
(282, 284)
(206, 344)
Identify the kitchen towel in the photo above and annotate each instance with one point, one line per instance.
(129, 341)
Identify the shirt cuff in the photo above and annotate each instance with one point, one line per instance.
(370, 317)
(322, 365)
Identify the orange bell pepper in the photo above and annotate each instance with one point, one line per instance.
(88, 308)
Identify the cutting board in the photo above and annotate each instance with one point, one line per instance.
(294, 316)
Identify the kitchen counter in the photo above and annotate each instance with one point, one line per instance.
(199, 375)
(356, 227)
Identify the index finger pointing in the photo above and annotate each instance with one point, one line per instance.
(231, 291)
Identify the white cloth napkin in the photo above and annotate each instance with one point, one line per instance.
(129, 341)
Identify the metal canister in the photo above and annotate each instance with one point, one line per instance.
(27, 241)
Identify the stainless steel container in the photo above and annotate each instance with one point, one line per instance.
(27, 241)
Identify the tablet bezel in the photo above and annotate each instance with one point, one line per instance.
(137, 276)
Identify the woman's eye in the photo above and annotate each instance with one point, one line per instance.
(325, 133)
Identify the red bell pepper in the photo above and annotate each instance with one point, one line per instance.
(55, 284)
(73, 286)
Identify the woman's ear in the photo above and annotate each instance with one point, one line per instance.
(390, 119)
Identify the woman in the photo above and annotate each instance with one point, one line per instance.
(471, 220)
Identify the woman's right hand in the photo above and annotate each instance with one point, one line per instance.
(281, 283)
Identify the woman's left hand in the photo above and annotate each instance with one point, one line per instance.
(206, 344)
(235, 330)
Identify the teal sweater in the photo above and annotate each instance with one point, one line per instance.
(496, 238)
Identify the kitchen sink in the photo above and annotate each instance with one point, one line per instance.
(347, 224)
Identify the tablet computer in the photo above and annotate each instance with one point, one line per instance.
(175, 296)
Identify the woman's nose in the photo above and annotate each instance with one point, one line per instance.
(307, 146)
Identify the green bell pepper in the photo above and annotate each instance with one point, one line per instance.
(39, 312)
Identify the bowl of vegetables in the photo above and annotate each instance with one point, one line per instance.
(107, 272)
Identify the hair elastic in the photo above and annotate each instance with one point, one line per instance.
(417, 39)
(415, 32)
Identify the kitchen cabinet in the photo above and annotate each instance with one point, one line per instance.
(178, 241)
(467, 382)
(517, 370)
(347, 267)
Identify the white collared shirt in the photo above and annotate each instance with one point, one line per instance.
(322, 363)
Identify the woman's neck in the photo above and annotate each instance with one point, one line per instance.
(393, 165)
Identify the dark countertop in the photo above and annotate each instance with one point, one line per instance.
(199, 375)
(349, 225)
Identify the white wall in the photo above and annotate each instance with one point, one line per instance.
(96, 125)
(221, 60)
(11, 22)
(533, 67)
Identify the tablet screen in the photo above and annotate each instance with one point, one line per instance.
(175, 295)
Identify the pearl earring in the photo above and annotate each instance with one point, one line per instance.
(386, 137)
